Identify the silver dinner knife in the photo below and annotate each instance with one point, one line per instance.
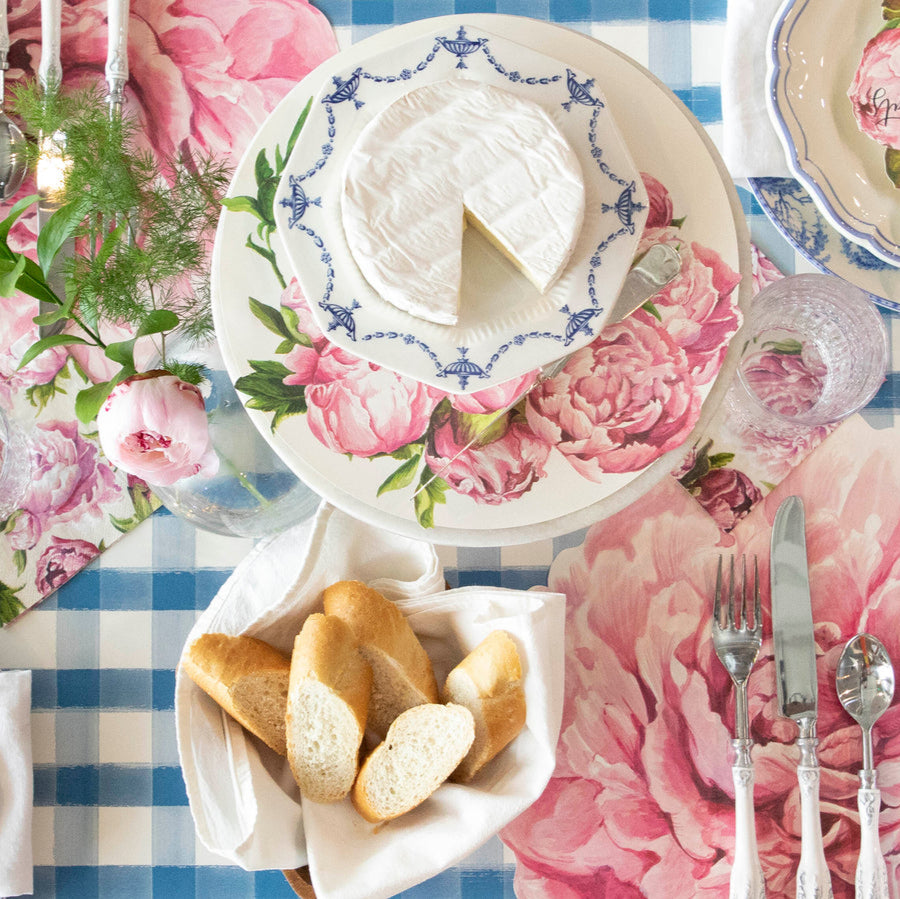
(795, 673)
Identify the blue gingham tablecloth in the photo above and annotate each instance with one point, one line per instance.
(111, 816)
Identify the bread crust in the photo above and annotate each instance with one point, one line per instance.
(489, 682)
(217, 663)
(326, 653)
(387, 640)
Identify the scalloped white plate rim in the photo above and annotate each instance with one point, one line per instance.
(839, 166)
(567, 501)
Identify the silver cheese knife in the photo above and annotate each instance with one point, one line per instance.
(795, 673)
(656, 268)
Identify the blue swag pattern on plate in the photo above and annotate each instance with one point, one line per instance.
(348, 93)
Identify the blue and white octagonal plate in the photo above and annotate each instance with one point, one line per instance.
(506, 326)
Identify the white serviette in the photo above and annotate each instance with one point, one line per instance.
(242, 796)
(750, 145)
(16, 784)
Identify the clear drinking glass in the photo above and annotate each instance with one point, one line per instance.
(815, 350)
(15, 466)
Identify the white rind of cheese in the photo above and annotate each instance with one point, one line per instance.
(444, 152)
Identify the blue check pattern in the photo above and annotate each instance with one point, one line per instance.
(111, 814)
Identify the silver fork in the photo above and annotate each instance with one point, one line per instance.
(737, 646)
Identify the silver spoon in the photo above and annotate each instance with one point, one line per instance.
(865, 687)
(12, 142)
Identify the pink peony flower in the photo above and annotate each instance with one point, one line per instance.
(764, 270)
(502, 470)
(365, 410)
(661, 210)
(875, 90)
(354, 406)
(154, 426)
(697, 308)
(642, 799)
(17, 333)
(789, 384)
(203, 75)
(492, 398)
(69, 481)
(63, 558)
(727, 494)
(619, 403)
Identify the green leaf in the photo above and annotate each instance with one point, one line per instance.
(298, 127)
(270, 317)
(284, 347)
(156, 322)
(892, 163)
(89, 400)
(262, 169)
(651, 308)
(402, 477)
(426, 499)
(124, 525)
(14, 214)
(292, 320)
(10, 604)
(268, 392)
(242, 204)
(890, 23)
(57, 230)
(720, 460)
(122, 353)
(10, 277)
(46, 343)
(20, 560)
(790, 346)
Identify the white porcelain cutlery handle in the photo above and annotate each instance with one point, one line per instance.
(117, 55)
(50, 68)
(871, 871)
(813, 878)
(747, 880)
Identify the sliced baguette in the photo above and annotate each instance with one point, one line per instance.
(247, 678)
(327, 704)
(488, 682)
(422, 748)
(402, 676)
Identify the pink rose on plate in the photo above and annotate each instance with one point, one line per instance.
(154, 426)
(69, 481)
(63, 558)
(504, 469)
(875, 90)
(619, 403)
(660, 201)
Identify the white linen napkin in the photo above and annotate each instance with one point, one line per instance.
(750, 145)
(16, 784)
(245, 804)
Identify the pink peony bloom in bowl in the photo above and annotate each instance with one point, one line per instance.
(499, 471)
(154, 426)
(619, 403)
(875, 90)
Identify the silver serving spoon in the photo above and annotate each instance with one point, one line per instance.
(13, 164)
(865, 687)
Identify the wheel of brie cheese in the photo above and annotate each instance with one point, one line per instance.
(448, 153)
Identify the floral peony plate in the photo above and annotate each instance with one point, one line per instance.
(814, 51)
(507, 327)
(590, 441)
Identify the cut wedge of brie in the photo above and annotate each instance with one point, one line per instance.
(450, 152)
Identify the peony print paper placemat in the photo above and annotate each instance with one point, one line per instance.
(642, 799)
(214, 101)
